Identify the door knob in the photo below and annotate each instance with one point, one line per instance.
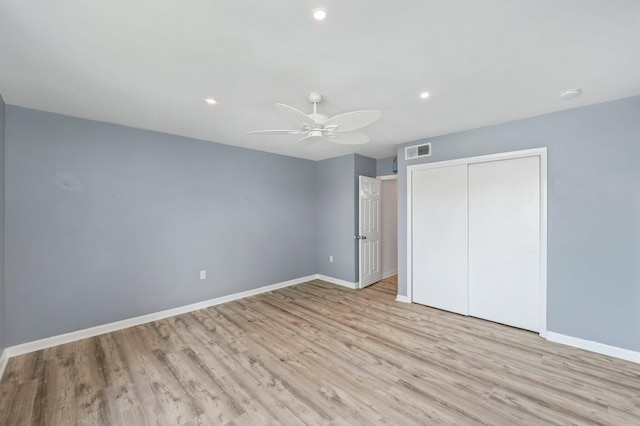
(361, 237)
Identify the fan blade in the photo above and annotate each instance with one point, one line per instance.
(307, 141)
(275, 132)
(349, 138)
(296, 117)
(353, 120)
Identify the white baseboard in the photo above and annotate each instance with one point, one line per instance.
(119, 325)
(337, 281)
(389, 274)
(589, 345)
(4, 358)
(403, 299)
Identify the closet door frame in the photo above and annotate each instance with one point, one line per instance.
(536, 152)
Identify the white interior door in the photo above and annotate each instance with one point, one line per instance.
(369, 230)
(504, 241)
(440, 238)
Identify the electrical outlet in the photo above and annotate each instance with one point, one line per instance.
(203, 275)
(331, 259)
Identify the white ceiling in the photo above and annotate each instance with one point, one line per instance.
(149, 63)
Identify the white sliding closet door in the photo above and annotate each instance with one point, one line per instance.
(439, 254)
(504, 241)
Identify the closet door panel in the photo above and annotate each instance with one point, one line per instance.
(439, 221)
(504, 241)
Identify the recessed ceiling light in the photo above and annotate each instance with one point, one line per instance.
(424, 95)
(210, 101)
(568, 94)
(319, 14)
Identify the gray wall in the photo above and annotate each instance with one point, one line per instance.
(2, 149)
(107, 222)
(384, 166)
(334, 192)
(593, 212)
(337, 225)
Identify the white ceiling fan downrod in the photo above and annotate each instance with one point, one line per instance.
(315, 98)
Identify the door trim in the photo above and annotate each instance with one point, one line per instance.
(387, 177)
(535, 152)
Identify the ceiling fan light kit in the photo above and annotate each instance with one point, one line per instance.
(315, 126)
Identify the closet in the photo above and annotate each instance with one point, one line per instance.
(476, 237)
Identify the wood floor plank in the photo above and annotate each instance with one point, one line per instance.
(317, 353)
(217, 404)
(57, 388)
(148, 414)
(26, 368)
(20, 411)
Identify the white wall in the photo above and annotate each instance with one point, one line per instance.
(389, 216)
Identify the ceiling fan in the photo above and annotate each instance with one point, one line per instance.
(314, 126)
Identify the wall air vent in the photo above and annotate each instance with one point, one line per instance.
(417, 151)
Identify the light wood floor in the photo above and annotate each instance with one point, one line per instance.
(317, 353)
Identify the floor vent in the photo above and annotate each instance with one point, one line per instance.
(417, 151)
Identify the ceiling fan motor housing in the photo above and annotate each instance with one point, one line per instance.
(314, 97)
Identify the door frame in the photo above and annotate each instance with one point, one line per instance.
(382, 226)
(535, 152)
